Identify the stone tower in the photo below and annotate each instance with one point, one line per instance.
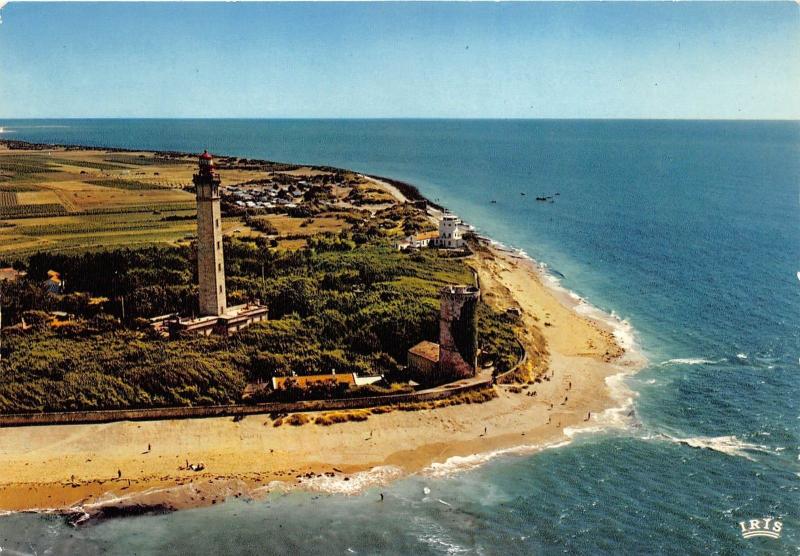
(210, 266)
(458, 331)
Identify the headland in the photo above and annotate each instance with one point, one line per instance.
(566, 383)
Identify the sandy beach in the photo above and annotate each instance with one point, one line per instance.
(143, 464)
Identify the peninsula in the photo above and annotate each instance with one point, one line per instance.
(100, 253)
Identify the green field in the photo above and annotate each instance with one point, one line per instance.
(23, 237)
(142, 160)
(79, 200)
(131, 185)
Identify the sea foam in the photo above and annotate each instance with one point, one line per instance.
(621, 416)
(729, 445)
(460, 464)
(355, 483)
(690, 361)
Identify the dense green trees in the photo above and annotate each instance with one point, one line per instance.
(46, 371)
(333, 306)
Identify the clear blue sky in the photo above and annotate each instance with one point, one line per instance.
(506, 60)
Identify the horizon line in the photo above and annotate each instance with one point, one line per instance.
(410, 118)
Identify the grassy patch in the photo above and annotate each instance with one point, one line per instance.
(144, 160)
(85, 164)
(22, 165)
(32, 211)
(130, 185)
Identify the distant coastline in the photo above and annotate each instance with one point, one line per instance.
(410, 191)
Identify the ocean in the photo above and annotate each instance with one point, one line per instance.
(685, 230)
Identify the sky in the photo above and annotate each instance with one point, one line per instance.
(401, 60)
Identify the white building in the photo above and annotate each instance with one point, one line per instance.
(417, 241)
(450, 233)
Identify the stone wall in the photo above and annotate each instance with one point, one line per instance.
(151, 414)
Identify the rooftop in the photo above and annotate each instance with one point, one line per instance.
(460, 289)
(304, 381)
(426, 235)
(426, 350)
(10, 274)
(245, 310)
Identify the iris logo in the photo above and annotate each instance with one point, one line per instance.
(764, 527)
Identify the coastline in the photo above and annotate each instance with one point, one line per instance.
(579, 351)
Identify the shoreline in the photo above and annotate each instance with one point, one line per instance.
(579, 351)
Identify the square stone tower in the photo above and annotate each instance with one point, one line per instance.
(210, 265)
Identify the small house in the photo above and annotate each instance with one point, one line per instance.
(423, 362)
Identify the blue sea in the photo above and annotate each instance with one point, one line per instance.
(687, 230)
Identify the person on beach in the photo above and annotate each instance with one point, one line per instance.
(119, 473)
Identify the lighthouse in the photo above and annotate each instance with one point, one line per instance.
(210, 265)
(215, 315)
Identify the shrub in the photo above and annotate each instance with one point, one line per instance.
(297, 419)
(327, 419)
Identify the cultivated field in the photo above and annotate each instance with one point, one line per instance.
(62, 199)
(71, 199)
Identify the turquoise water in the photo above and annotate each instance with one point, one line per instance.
(687, 230)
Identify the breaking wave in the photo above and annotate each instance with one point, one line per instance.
(460, 464)
(621, 416)
(690, 361)
(729, 445)
(355, 483)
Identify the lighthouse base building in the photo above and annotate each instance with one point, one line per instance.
(235, 318)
